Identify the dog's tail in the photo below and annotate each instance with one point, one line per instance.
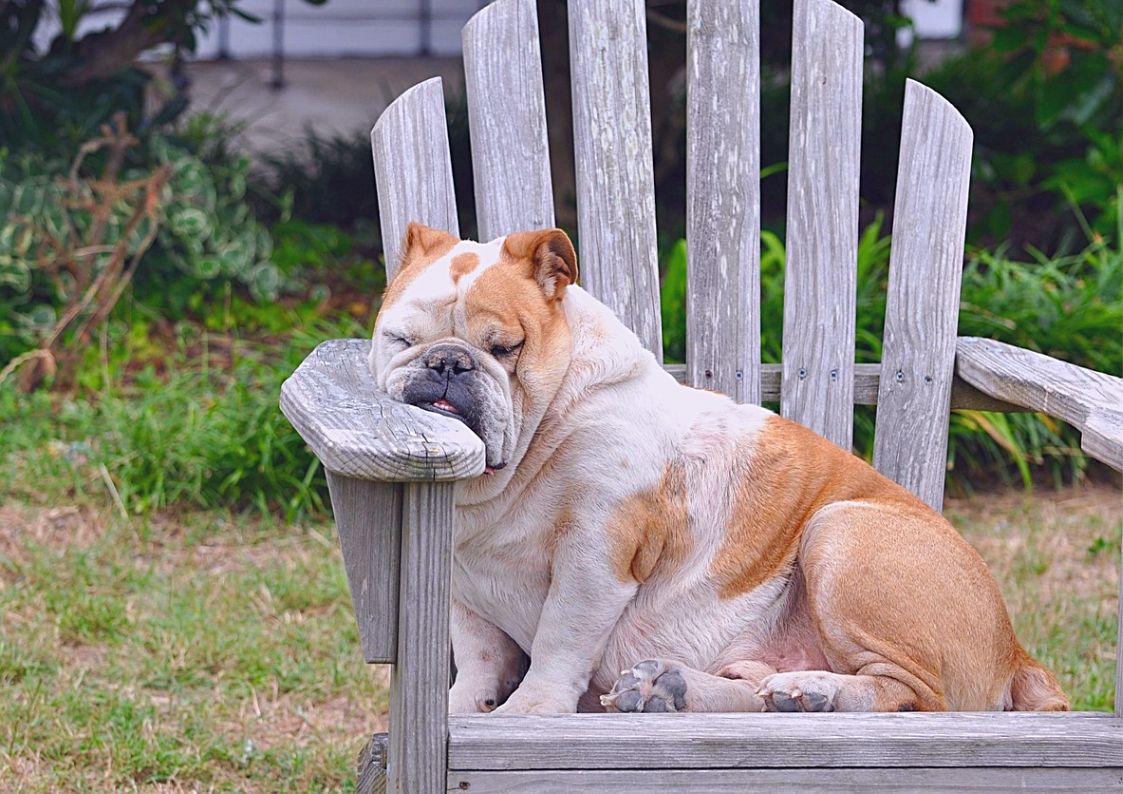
(1033, 688)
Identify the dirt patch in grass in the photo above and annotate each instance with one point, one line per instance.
(206, 652)
(65, 526)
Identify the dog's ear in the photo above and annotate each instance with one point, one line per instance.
(553, 260)
(421, 240)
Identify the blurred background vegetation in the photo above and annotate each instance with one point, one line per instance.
(173, 608)
(157, 285)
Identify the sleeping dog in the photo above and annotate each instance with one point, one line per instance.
(653, 547)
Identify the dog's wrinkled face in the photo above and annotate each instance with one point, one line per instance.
(476, 331)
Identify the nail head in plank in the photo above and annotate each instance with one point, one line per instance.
(723, 197)
(789, 781)
(822, 232)
(922, 306)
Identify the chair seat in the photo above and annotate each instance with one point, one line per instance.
(358, 431)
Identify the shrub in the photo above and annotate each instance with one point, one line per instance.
(74, 233)
(1069, 307)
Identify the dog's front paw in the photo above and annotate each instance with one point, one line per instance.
(803, 690)
(525, 701)
(650, 686)
(466, 699)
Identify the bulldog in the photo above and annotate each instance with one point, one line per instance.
(722, 557)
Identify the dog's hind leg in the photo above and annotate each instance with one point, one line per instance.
(907, 615)
(657, 685)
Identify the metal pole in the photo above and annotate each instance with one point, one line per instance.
(224, 38)
(425, 20)
(278, 45)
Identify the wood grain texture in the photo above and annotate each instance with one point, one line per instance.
(368, 516)
(790, 781)
(1091, 401)
(357, 431)
(412, 167)
(723, 197)
(867, 378)
(370, 777)
(507, 119)
(922, 306)
(751, 741)
(419, 682)
(822, 232)
(612, 150)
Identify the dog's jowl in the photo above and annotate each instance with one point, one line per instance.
(652, 547)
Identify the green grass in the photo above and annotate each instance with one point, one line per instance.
(202, 649)
(1056, 557)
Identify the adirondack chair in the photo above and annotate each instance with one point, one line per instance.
(392, 469)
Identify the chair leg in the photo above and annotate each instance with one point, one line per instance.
(418, 743)
(372, 766)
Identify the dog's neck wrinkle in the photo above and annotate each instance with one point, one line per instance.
(605, 353)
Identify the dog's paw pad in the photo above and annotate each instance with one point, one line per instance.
(799, 691)
(650, 686)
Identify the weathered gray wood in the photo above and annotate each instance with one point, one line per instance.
(359, 432)
(419, 682)
(822, 232)
(867, 378)
(368, 516)
(751, 741)
(507, 119)
(1091, 401)
(612, 150)
(412, 167)
(723, 197)
(922, 307)
(795, 781)
(371, 765)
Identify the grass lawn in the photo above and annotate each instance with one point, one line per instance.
(200, 651)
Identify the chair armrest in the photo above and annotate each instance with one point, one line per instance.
(1091, 401)
(357, 431)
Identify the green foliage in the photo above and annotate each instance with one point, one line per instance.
(1069, 307)
(1044, 102)
(205, 234)
(208, 231)
(198, 428)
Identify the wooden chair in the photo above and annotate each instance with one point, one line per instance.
(392, 468)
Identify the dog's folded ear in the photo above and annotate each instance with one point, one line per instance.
(421, 240)
(551, 255)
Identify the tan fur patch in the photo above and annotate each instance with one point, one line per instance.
(650, 529)
(414, 264)
(786, 474)
(505, 305)
(462, 265)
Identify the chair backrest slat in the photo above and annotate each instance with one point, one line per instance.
(723, 198)
(921, 313)
(412, 167)
(507, 119)
(614, 169)
(817, 385)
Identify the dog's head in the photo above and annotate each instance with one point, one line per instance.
(477, 332)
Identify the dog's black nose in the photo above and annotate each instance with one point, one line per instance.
(449, 360)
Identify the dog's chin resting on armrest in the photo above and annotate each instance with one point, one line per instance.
(653, 547)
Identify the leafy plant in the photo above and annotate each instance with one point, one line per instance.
(74, 236)
(1068, 307)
